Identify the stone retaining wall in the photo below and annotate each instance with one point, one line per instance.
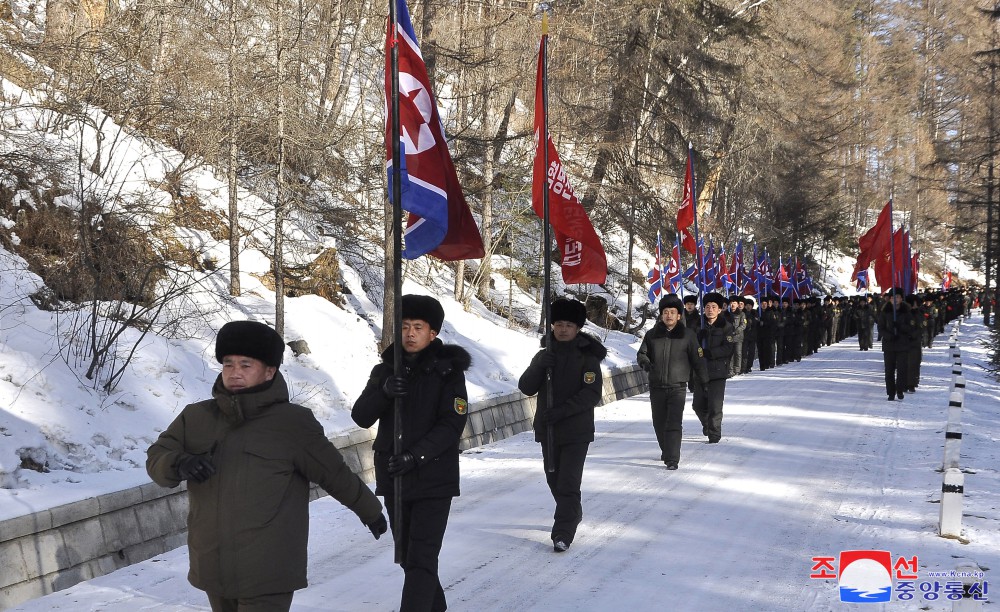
(54, 549)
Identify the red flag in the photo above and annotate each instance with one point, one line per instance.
(875, 241)
(583, 258)
(685, 215)
(892, 257)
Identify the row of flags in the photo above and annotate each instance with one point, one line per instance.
(712, 270)
(440, 222)
(895, 262)
(732, 275)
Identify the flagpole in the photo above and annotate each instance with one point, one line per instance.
(659, 266)
(397, 276)
(550, 440)
(697, 241)
(756, 280)
(680, 261)
(892, 261)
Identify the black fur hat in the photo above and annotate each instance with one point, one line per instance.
(425, 308)
(671, 301)
(715, 298)
(250, 339)
(565, 309)
(690, 299)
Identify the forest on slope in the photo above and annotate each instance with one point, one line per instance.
(804, 117)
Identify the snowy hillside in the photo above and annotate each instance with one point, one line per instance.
(57, 421)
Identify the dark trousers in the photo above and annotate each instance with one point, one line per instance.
(749, 353)
(865, 337)
(895, 371)
(914, 356)
(793, 348)
(276, 602)
(424, 523)
(779, 352)
(708, 406)
(765, 346)
(564, 483)
(668, 415)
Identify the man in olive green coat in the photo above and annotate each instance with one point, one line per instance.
(248, 456)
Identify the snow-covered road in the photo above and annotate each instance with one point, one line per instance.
(813, 461)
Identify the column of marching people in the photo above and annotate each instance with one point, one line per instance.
(247, 454)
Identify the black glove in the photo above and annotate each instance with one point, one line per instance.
(401, 463)
(545, 360)
(378, 526)
(395, 386)
(644, 364)
(194, 467)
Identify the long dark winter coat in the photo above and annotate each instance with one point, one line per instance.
(672, 357)
(248, 523)
(899, 333)
(434, 413)
(577, 387)
(717, 345)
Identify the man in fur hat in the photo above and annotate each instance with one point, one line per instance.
(671, 356)
(573, 362)
(717, 345)
(248, 456)
(434, 412)
(899, 331)
(692, 318)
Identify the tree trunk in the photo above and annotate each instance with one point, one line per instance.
(232, 158)
(279, 196)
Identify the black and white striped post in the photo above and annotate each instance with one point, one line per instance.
(953, 432)
(958, 383)
(952, 489)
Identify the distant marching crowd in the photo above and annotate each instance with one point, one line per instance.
(248, 454)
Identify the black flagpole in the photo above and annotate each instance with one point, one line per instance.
(698, 247)
(397, 279)
(543, 142)
(892, 261)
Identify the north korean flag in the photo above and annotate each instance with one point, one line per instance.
(440, 222)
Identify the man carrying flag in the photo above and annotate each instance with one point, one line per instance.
(563, 436)
(422, 180)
